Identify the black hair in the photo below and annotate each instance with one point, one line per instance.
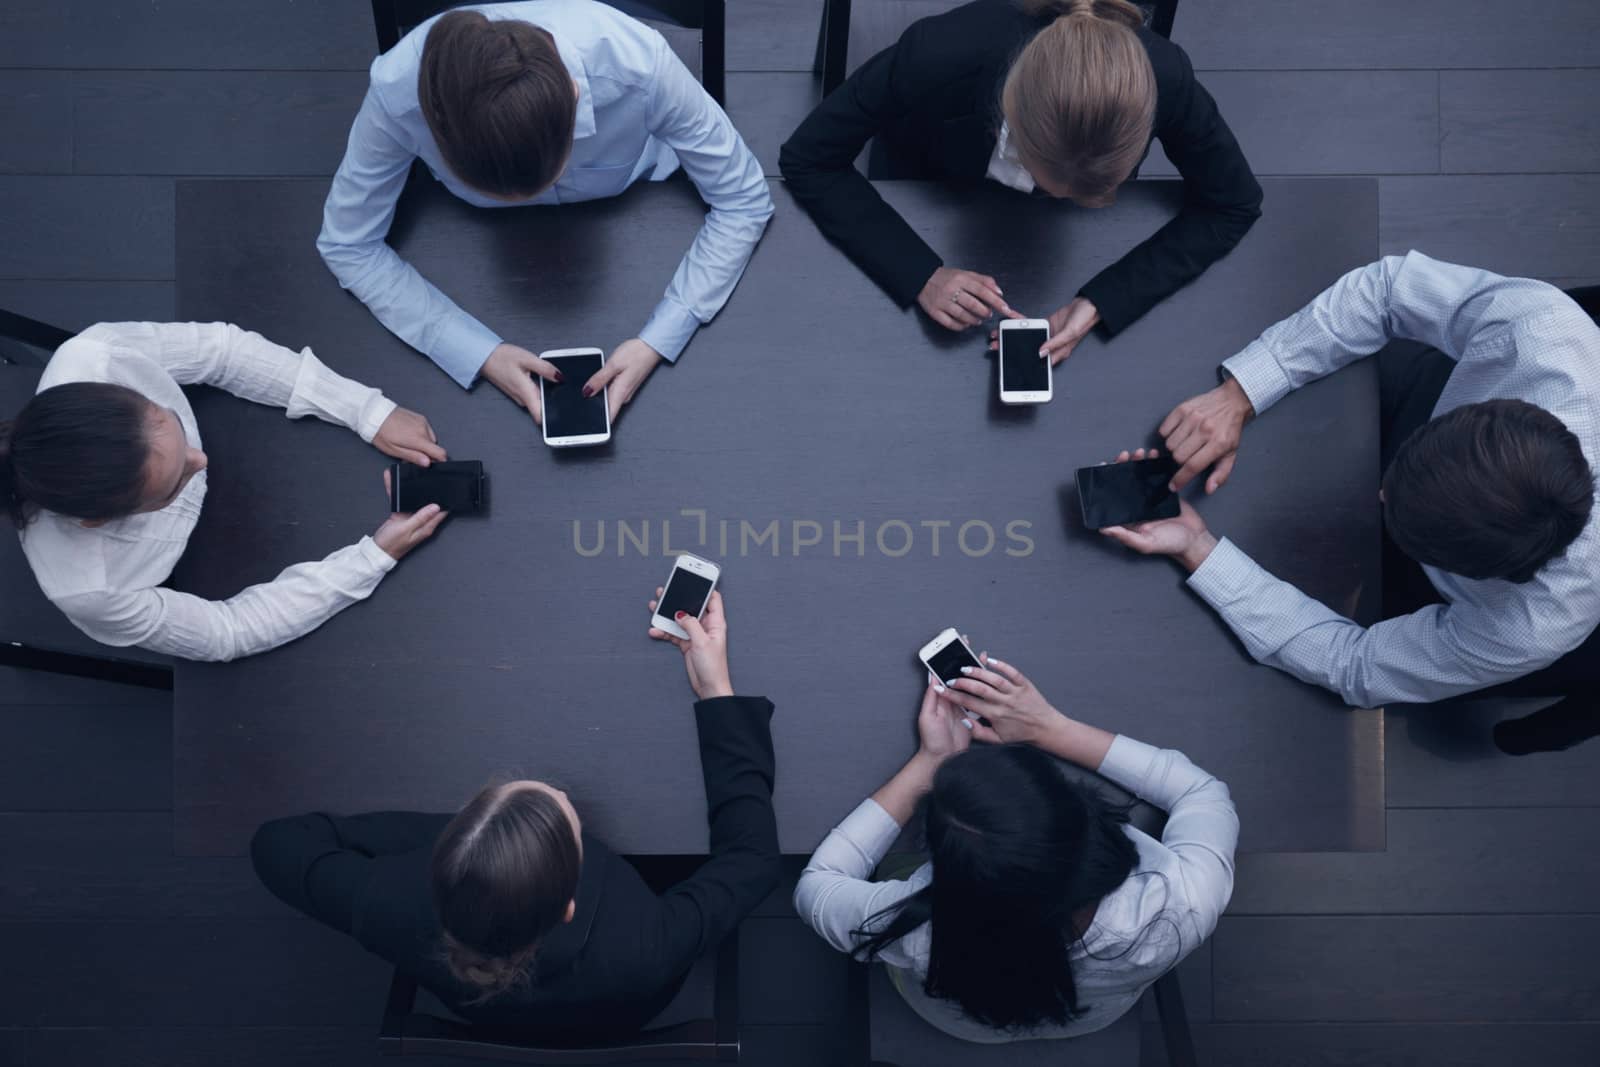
(1490, 490)
(77, 449)
(504, 870)
(1017, 851)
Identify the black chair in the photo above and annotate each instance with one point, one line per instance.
(34, 635)
(1158, 15)
(898, 1037)
(714, 982)
(28, 342)
(833, 44)
(396, 18)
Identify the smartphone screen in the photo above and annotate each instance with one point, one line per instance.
(454, 486)
(686, 592)
(567, 412)
(946, 663)
(1021, 368)
(1117, 494)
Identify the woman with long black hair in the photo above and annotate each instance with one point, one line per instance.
(1040, 912)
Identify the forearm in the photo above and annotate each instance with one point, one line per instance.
(1076, 742)
(900, 795)
(263, 616)
(1175, 255)
(737, 760)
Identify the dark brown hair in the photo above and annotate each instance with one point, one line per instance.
(499, 102)
(1490, 490)
(77, 449)
(1080, 99)
(504, 871)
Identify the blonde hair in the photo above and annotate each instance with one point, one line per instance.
(1080, 99)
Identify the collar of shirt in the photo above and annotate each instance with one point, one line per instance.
(1005, 167)
(573, 60)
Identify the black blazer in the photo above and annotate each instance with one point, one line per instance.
(933, 101)
(627, 949)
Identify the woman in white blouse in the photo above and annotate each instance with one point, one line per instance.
(1049, 915)
(103, 474)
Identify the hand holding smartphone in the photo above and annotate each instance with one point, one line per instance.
(457, 486)
(1127, 493)
(687, 590)
(1025, 375)
(572, 420)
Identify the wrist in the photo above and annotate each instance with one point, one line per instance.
(1197, 552)
(1237, 398)
(718, 687)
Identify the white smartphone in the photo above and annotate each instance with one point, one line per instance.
(1024, 374)
(570, 418)
(688, 589)
(945, 655)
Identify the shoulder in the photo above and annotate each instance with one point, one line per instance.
(84, 358)
(68, 561)
(971, 36)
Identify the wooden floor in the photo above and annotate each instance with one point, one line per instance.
(1470, 942)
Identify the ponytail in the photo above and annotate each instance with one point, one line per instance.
(1122, 11)
(487, 976)
(1080, 99)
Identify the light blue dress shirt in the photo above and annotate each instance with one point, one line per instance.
(1511, 338)
(640, 115)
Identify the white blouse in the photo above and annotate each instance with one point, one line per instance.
(106, 578)
(1166, 908)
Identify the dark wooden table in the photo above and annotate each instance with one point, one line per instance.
(505, 648)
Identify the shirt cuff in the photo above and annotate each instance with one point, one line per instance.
(670, 327)
(871, 829)
(374, 413)
(1224, 575)
(1259, 374)
(1128, 763)
(462, 347)
(331, 396)
(380, 560)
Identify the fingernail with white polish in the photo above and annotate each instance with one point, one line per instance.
(966, 670)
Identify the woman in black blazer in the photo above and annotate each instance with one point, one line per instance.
(1062, 96)
(511, 913)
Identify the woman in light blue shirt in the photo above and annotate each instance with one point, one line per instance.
(539, 102)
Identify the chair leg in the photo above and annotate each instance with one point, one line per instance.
(833, 44)
(1174, 1022)
(714, 52)
(397, 1006)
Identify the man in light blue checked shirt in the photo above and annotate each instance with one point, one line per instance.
(1492, 409)
(539, 102)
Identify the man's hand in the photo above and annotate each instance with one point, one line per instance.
(400, 533)
(1068, 326)
(956, 299)
(624, 372)
(705, 652)
(1184, 538)
(1206, 429)
(407, 435)
(511, 369)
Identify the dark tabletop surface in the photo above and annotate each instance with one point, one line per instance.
(502, 649)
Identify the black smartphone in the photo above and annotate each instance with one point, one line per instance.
(1121, 494)
(456, 486)
(570, 418)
